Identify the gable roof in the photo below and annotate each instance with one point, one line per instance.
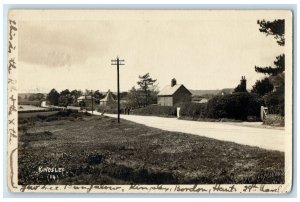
(169, 90)
(108, 97)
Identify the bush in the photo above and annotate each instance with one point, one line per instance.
(275, 102)
(156, 110)
(68, 112)
(109, 109)
(274, 120)
(193, 110)
(234, 106)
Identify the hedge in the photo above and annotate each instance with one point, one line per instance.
(234, 106)
(156, 111)
(193, 110)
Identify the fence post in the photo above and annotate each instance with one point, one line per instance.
(263, 112)
(178, 112)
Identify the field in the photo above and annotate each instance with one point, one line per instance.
(74, 148)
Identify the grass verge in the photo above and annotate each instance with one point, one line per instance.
(98, 150)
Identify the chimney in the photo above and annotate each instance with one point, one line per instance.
(173, 82)
(243, 84)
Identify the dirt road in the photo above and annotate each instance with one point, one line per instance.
(272, 139)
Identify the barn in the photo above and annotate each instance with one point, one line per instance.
(173, 94)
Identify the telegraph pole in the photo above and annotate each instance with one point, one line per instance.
(118, 62)
(92, 102)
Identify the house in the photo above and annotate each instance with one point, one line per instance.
(108, 99)
(199, 99)
(173, 94)
(226, 91)
(86, 101)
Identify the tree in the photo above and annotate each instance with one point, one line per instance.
(75, 95)
(262, 87)
(134, 98)
(98, 96)
(65, 98)
(36, 97)
(88, 92)
(53, 97)
(273, 71)
(275, 28)
(145, 83)
(274, 100)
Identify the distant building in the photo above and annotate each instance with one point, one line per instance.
(108, 99)
(86, 101)
(173, 94)
(226, 91)
(199, 99)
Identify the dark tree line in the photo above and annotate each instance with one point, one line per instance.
(67, 97)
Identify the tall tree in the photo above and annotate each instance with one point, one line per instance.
(262, 87)
(274, 28)
(146, 83)
(274, 100)
(53, 97)
(279, 64)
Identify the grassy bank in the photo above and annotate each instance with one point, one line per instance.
(97, 150)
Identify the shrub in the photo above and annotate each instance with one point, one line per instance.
(109, 109)
(275, 102)
(234, 106)
(193, 110)
(274, 120)
(68, 112)
(156, 110)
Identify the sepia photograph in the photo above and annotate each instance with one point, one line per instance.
(150, 101)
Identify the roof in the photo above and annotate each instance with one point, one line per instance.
(108, 97)
(226, 91)
(84, 97)
(204, 100)
(170, 90)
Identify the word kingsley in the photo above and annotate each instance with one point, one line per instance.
(51, 170)
(53, 173)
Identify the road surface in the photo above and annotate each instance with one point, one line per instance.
(271, 139)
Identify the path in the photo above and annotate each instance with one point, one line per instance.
(272, 139)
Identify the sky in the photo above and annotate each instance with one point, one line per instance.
(202, 50)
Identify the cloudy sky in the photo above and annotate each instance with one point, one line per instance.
(202, 50)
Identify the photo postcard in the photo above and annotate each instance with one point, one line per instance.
(150, 101)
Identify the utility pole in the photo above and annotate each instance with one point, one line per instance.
(92, 102)
(118, 62)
